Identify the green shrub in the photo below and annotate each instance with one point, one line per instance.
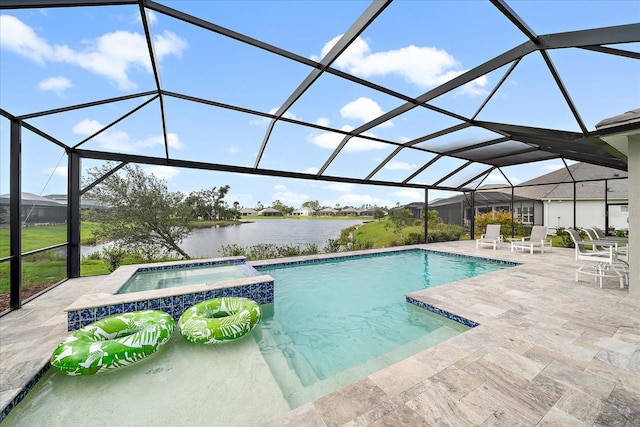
(414, 239)
(112, 257)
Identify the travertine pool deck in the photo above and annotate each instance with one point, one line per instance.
(548, 351)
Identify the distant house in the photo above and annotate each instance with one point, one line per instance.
(270, 212)
(368, 211)
(36, 209)
(350, 212)
(328, 212)
(600, 202)
(248, 211)
(416, 208)
(306, 211)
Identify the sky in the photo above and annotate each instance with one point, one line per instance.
(51, 58)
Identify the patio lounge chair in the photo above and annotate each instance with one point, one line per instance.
(538, 239)
(619, 243)
(599, 263)
(491, 237)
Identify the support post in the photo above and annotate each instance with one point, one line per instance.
(575, 207)
(426, 215)
(513, 214)
(473, 215)
(73, 215)
(15, 222)
(606, 208)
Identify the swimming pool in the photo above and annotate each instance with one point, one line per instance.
(282, 364)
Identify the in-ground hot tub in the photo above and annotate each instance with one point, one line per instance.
(173, 300)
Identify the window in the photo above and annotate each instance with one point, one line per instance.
(526, 214)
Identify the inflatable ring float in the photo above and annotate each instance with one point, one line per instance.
(113, 342)
(218, 320)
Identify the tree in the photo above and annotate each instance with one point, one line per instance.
(259, 206)
(313, 204)
(378, 213)
(141, 210)
(399, 219)
(278, 205)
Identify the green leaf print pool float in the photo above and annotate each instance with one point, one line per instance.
(219, 320)
(113, 342)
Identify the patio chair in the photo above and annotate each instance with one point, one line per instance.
(491, 237)
(537, 239)
(599, 263)
(596, 233)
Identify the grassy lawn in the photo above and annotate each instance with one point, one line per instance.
(376, 233)
(46, 235)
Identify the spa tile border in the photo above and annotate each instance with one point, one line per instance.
(276, 263)
(189, 265)
(175, 305)
(443, 313)
(27, 388)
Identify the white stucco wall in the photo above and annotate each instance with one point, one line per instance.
(589, 213)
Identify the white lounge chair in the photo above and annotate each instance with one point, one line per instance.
(491, 237)
(538, 239)
(599, 263)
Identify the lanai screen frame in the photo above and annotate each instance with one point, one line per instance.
(541, 143)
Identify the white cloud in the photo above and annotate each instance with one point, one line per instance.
(423, 66)
(323, 121)
(57, 171)
(280, 187)
(166, 173)
(399, 166)
(120, 140)
(364, 110)
(112, 55)
(55, 84)
(495, 177)
(311, 170)
(290, 198)
(353, 199)
(152, 18)
(330, 140)
(409, 194)
(342, 187)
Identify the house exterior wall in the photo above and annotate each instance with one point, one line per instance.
(589, 213)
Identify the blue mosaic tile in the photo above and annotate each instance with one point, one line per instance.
(27, 388)
(102, 312)
(130, 307)
(176, 300)
(116, 309)
(176, 312)
(199, 297)
(88, 314)
(166, 302)
(73, 326)
(155, 304)
(443, 313)
(211, 294)
(142, 305)
(74, 316)
(188, 300)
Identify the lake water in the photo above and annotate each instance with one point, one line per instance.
(206, 242)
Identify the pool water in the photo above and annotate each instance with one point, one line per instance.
(344, 316)
(332, 323)
(176, 277)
